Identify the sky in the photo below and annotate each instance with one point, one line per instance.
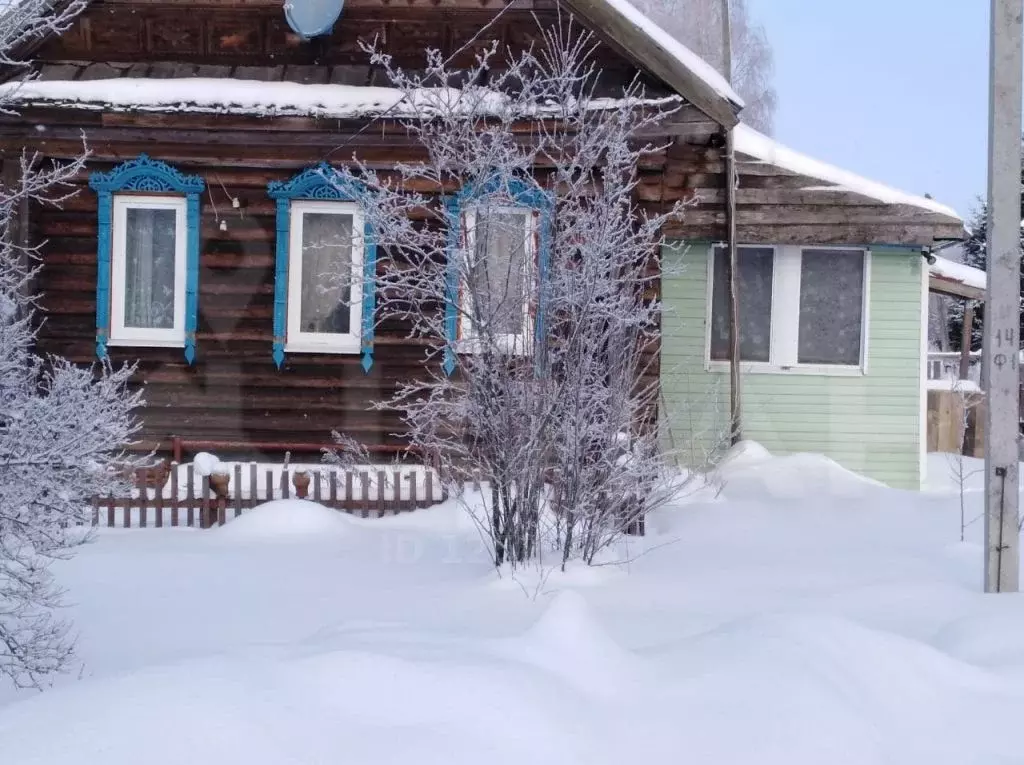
(896, 90)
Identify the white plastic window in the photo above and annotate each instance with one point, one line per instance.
(148, 238)
(325, 265)
(495, 294)
(802, 309)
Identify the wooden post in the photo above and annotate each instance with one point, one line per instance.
(732, 293)
(365, 504)
(350, 504)
(966, 334)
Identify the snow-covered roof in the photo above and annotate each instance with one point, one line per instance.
(959, 273)
(667, 58)
(233, 96)
(683, 55)
(749, 141)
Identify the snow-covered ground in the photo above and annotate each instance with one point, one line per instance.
(791, 613)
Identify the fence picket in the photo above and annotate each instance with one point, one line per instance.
(413, 486)
(204, 513)
(190, 478)
(253, 488)
(143, 497)
(350, 503)
(428, 480)
(381, 497)
(110, 511)
(397, 497)
(316, 486)
(238, 489)
(174, 493)
(95, 511)
(333, 487)
(365, 504)
(270, 485)
(158, 504)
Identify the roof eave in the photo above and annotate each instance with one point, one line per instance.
(659, 62)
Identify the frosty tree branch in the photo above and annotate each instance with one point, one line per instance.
(62, 428)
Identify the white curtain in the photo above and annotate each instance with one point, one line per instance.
(149, 268)
(326, 273)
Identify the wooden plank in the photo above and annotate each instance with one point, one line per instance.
(333, 480)
(143, 497)
(364, 505)
(413, 490)
(174, 494)
(429, 481)
(238, 489)
(190, 519)
(399, 506)
(382, 506)
(316, 487)
(350, 504)
(205, 517)
(158, 503)
(270, 485)
(253, 485)
(110, 512)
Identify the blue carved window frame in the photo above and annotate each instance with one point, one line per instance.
(323, 183)
(144, 175)
(515, 192)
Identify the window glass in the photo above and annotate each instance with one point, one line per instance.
(149, 298)
(326, 287)
(831, 307)
(498, 274)
(756, 267)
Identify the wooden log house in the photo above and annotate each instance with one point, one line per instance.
(219, 100)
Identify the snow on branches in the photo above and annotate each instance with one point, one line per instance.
(518, 251)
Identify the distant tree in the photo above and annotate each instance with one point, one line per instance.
(698, 25)
(62, 427)
(975, 255)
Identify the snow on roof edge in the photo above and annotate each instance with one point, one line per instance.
(961, 273)
(759, 146)
(234, 96)
(681, 53)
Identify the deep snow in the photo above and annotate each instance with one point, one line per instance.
(813, 618)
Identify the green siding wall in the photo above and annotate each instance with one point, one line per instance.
(869, 423)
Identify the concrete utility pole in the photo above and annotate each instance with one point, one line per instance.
(1002, 307)
(732, 294)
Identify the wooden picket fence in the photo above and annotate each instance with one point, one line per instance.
(182, 497)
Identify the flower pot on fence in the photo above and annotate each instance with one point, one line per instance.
(220, 482)
(300, 480)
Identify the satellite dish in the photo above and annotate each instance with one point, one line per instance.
(312, 18)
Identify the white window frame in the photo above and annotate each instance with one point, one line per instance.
(514, 344)
(173, 337)
(297, 341)
(784, 340)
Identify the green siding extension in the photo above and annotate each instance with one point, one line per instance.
(870, 423)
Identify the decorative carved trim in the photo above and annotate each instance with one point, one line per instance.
(321, 182)
(517, 192)
(146, 176)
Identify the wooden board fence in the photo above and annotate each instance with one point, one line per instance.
(188, 499)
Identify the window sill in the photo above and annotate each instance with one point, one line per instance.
(326, 348)
(797, 370)
(123, 342)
